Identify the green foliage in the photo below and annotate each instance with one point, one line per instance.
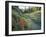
(30, 15)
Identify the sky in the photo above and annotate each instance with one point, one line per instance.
(24, 7)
